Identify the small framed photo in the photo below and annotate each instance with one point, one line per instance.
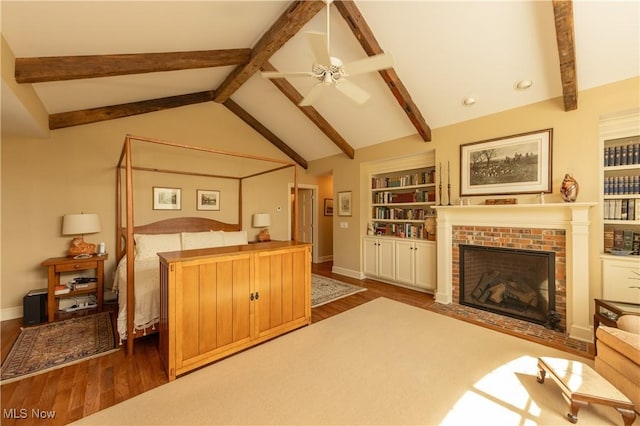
(207, 199)
(344, 203)
(328, 206)
(167, 198)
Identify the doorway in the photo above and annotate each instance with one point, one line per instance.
(307, 229)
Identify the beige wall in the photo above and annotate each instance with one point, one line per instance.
(575, 151)
(74, 170)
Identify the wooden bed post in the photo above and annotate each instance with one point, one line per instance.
(295, 203)
(240, 203)
(131, 306)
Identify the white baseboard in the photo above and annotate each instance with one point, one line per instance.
(11, 313)
(323, 259)
(348, 272)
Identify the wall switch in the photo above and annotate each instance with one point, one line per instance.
(344, 224)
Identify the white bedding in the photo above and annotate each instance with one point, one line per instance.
(147, 294)
(147, 271)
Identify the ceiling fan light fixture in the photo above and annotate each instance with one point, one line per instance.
(523, 84)
(469, 101)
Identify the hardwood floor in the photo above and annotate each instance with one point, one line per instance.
(75, 391)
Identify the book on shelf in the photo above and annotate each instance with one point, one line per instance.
(608, 240)
(622, 155)
(627, 239)
(61, 289)
(635, 245)
(85, 286)
(618, 239)
(622, 209)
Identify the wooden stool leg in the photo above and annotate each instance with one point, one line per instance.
(541, 374)
(628, 416)
(574, 406)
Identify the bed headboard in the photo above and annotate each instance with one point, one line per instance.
(180, 224)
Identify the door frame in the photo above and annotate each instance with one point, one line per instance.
(314, 215)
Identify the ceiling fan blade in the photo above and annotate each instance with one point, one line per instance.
(318, 43)
(313, 94)
(276, 74)
(372, 63)
(354, 92)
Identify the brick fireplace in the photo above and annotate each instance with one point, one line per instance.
(511, 271)
(559, 228)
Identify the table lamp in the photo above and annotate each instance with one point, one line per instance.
(80, 224)
(262, 220)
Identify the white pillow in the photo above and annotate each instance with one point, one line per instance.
(235, 238)
(197, 240)
(149, 245)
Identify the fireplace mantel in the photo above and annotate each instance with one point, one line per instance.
(572, 217)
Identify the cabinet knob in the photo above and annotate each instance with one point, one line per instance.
(76, 266)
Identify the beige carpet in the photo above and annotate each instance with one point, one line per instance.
(381, 363)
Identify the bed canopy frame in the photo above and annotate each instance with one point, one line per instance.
(125, 227)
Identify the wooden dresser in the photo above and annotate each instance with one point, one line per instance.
(218, 301)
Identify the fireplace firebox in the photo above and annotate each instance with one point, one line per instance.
(514, 282)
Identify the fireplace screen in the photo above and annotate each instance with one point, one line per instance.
(514, 282)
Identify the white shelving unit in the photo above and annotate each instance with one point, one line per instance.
(620, 206)
(401, 251)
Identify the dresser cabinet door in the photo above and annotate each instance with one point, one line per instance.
(213, 307)
(282, 289)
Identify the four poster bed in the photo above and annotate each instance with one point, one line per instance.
(197, 281)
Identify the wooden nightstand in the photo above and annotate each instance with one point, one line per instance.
(58, 265)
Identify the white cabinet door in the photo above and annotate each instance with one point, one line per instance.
(370, 254)
(425, 265)
(386, 259)
(621, 279)
(405, 262)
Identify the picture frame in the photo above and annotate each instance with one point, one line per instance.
(207, 199)
(344, 203)
(167, 198)
(516, 164)
(328, 206)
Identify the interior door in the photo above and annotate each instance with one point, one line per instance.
(305, 215)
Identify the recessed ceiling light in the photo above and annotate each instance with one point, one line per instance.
(469, 101)
(523, 84)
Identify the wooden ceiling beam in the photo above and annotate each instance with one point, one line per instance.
(287, 25)
(565, 36)
(266, 133)
(312, 114)
(363, 33)
(94, 115)
(60, 68)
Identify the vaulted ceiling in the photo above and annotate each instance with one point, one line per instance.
(94, 61)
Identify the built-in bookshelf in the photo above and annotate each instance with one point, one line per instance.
(621, 194)
(402, 203)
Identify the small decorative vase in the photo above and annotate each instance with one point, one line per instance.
(569, 188)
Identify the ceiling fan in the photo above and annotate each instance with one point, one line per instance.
(331, 72)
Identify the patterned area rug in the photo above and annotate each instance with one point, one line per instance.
(325, 290)
(57, 344)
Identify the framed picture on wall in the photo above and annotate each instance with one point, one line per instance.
(328, 206)
(167, 198)
(518, 164)
(344, 203)
(207, 199)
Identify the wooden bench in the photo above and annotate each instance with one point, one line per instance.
(581, 386)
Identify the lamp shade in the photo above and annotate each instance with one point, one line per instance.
(77, 224)
(261, 220)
